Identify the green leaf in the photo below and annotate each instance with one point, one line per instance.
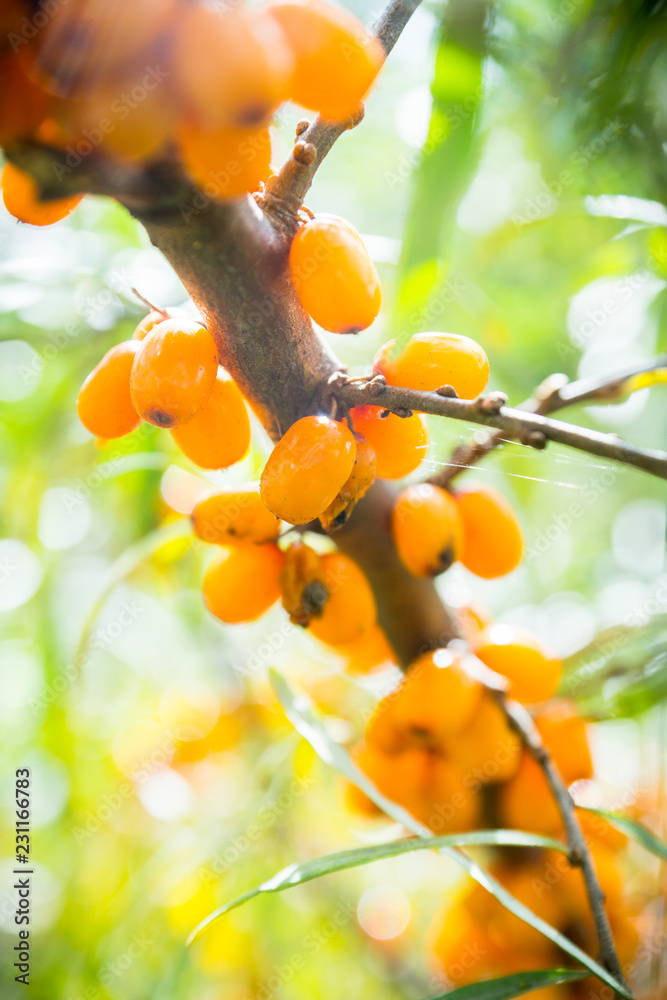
(636, 830)
(513, 986)
(342, 860)
(301, 713)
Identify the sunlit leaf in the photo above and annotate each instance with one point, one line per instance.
(513, 986)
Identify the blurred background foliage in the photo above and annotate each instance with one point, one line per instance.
(509, 180)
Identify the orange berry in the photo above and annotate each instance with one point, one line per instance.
(402, 778)
(349, 610)
(174, 372)
(334, 276)
(243, 582)
(426, 529)
(526, 802)
(533, 674)
(399, 443)
(463, 950)
(565, 735)
(510, 931)
(436, 700)
(492, 540)
(367, 653)
(336, 60)
(488, 750)
(472, 621)
(104, 404)
(85, 41)
(133, 130)
(450, 806)
(430, 360)
(233, 65)
(307, 468)
(232, 515)
(21, 197)
(24, 105)
(597, 829)
(354, 488)
(219, 434)
(227, 162)
(148, 323)
(303, 584)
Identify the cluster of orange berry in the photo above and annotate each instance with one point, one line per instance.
(171, 78)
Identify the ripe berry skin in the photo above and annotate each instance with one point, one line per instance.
(436, 700)
(307, 468)
(243, 582)
(234, 515)
(350, 609)
(24, 105)
(487, 748)
(174, 372)
(227, 162)
(233, 65)
(355, 487)
(565, 735)
(430, 360)
(492, 540)
(426, 529)
(336, 61)
(534, 675)
(219, 434)
(147, 324)
(334, 276)
(21, 197)
(104, 404)
(367, 653)
(399, 443)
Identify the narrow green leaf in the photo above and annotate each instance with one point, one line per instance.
(512, 986)
(636, 830)
(300, 712)
(342, 860)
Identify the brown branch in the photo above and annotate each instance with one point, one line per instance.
(530, 428)
(580, 855)
(555, 393)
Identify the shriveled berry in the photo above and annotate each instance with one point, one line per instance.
(234, 515)
(104, 404)
(243, 582)
(430, 360)
(307, 468)
(399, 443)
(355, 487)
(219, 434)
(334, 275)
(303, 583)
(174, 372)
(426, 529)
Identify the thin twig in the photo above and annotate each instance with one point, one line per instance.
(555, 393)
(580, 855)
(530, 428)
(285, 191)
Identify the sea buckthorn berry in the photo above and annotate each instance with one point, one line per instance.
(526, 802)
(492, 540)
(336, 60)
(233, 66)
(533, 674)
(426, 529)
(350, 607)
(227, 162)
(334, 275)
(21, 197)
(436, 700)
(355, 487)
(463, 948)
(307, 469)
(303, 584)
(565, 735)
(149, 323)
(139, 129)
(24, 105)
(243, 582)
(104, 404)
(399, 443)
(512, 932)
(430, 360)
(403, 778)
(174, 372)
(233, 515)
(488, 749)
(451, 806)
(219, 434)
